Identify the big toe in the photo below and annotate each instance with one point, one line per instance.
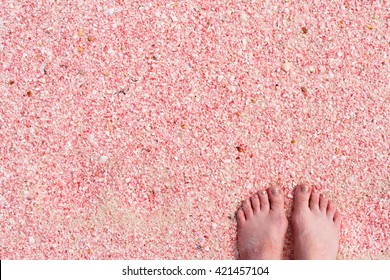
(275, 198)
(302, 196)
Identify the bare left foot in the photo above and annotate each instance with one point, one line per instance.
(262, 225)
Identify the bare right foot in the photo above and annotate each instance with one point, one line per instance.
(316, 225)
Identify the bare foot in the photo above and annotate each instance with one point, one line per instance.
(316, 225)
(262, 225)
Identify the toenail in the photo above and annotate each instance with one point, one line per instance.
(304, 188)
(275, 191)
(323, 196)
(263, 192)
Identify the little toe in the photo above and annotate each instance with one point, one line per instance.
(323, 203)
(337, 218)
(240, 217)
(247, 207)
(264, 201)
(331, 210)
(255, 203)
(276, 198)
(301, 197)
(314, 200)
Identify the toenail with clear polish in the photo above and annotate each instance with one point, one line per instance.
(275, 191)
(304, 188)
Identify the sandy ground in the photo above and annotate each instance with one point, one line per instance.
(134, 129)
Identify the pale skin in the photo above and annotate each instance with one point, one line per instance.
(262, 225)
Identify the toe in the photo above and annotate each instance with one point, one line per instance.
(323, 203)
(314, 200)
(255, 203)
(331, 210)
(301, 197)
(264, 201)
(240, 217)
(247, 207)
(337, 218)
(276, 198)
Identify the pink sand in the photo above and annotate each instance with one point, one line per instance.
(133, 130)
